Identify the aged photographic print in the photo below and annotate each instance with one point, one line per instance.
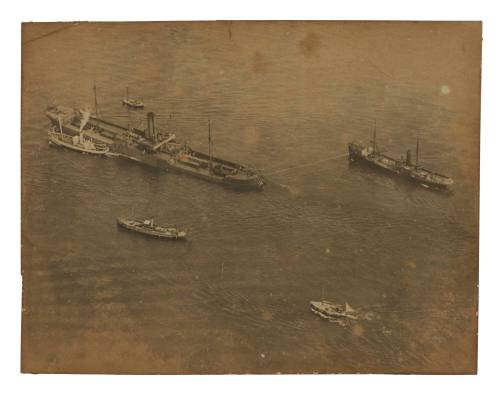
(250, 197)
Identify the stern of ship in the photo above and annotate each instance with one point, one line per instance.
(244, 182)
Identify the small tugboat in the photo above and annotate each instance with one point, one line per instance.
(337, 313)
(134, 103)
(148, 227)
(78, 142)
(401, 167)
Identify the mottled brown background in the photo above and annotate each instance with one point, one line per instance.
(285, 97)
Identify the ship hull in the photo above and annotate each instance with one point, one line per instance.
(133, 105)
(168, 163)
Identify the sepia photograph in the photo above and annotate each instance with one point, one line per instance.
(250, 197)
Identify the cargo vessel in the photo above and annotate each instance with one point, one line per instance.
(154, 148)
(150, 228)
(403, 167)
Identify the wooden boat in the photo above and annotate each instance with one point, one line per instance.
(77, 142)
(148, 227)
(130, 102)
(133, 103)
(336, 313)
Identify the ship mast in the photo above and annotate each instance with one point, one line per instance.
(95, 102)
(60, 126)
(128, 118)
(416, 160)
(209, 144)
(128, 113)
(374, 135)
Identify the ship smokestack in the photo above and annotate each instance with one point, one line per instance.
(408, 158)
(151, 131)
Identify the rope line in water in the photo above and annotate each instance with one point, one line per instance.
(305, 165)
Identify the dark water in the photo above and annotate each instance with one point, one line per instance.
(285, 98)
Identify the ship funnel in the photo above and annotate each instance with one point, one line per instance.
(151, 131)
(408, 158)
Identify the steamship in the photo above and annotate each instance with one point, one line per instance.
(154, 148)
(400, 167)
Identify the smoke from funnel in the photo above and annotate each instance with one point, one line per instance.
(84, 119)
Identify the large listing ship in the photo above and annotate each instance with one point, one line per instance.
(403, 167)
(153, 147)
